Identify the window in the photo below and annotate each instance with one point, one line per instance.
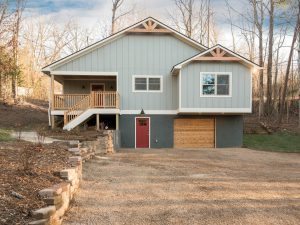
(147, 83)
(215, 84)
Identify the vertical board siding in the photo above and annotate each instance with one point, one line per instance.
(190, 86)
(75, 86)
(138, 54)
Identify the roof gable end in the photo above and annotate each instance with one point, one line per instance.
(217, 53)
(148, 25)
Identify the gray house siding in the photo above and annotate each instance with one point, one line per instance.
(135, 54)
(161, 130)
(190, 86)
(83, 86)
(229, 131)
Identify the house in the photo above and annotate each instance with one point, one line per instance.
(157, 87)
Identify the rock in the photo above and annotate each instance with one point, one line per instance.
(44, 213)
(17, 195)
(40, 222)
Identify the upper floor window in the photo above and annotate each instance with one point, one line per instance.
(215, 84)
(147, 83)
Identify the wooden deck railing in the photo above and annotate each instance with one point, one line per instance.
(63, 102)
(103, 99)
(77, 109)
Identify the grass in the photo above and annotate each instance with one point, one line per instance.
(5, 135)
(277, 142)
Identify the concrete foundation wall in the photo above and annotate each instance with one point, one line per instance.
(229, 131)
(161, 134)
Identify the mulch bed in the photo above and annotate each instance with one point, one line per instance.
(45, 161)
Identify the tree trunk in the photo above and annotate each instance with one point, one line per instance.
(299, 79)
(270, 59)
(286, 80)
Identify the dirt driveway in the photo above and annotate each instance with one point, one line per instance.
(222, 186)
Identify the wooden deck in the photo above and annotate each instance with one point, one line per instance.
(103, 99)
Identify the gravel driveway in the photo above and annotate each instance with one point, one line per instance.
(170, 186)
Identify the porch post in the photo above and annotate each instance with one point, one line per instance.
(52, 101)
(52, 91)
(117, 121)
(97, 122)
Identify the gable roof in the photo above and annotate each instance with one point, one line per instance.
(119, 34)
(243, 60)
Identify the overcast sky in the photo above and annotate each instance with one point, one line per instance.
(90, 12)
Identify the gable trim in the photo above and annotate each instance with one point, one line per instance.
(243, 59)
(102, 42)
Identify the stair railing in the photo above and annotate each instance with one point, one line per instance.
(77, 109)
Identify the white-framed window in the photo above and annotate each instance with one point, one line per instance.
(147, 83)
(215, 84)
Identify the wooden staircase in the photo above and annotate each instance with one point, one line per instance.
(82, 110)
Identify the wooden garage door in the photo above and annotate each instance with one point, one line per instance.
(194, 133)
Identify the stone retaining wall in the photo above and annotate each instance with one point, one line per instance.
(58, 196)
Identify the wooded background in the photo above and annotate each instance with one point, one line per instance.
(265, 31)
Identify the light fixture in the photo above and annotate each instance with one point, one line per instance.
(142, 112)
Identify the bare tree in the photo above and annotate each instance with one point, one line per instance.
(270, 56)
(20, 5)
(287, 73)
(195, 20)
(258, 14)
(117, 14)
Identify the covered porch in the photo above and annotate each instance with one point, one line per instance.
(83, 95)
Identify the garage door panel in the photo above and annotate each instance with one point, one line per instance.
(194, 133)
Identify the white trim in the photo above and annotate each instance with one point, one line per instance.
(216, 85)
(137, 117)
(147, 83)
(149, 112)
(93, 110)
(83, 73)
(215, 110)
(179, 89)
(180, 65)
(57, 112)
(113, 37)
(91, 84)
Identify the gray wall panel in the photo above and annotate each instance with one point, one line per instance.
(161, 134)
(241, 86)
(229, 131)
(135, 54)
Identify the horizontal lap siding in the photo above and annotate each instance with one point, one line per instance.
(194, 133)
(138, 55)
(190, 86)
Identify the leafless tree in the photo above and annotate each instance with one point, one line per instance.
(271, 10)
(20, 5)
(117, 13)
(258, 14)
(287, 73)
(195, 20)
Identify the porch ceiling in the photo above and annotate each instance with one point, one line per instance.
(61, 78)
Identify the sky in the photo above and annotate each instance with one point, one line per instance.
(89, 12)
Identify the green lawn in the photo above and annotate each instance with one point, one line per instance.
(277, 142)
(5, 135)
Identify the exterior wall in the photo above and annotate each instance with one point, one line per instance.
(190, 86)
(161, 130)
(229, 131)
(138, 54)
(76, 86)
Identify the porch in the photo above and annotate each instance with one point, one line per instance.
(83, 98)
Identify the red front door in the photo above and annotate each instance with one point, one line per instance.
(142, 132)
